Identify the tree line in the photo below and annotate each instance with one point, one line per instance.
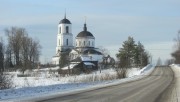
(132, 54)
(21, 52)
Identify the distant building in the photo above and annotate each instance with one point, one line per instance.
(83, 53)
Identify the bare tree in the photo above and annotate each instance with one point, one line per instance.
(8, 59)
(24, 53)
(5, 82)
(108, 62)
(30, 53)
(104, 51)
(169, 62)
(34, 50)
(1, 56)
(24, 49)
(177, 41)
(15, 40)
(176, 53)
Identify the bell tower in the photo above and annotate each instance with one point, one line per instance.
(64, 36)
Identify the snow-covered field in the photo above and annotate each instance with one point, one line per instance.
(44, 83)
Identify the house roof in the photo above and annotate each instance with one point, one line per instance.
(92, 51)
(89, 63)
(78, 59)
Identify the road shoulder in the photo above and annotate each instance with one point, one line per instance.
(172, 93)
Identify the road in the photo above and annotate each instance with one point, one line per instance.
(148, 89)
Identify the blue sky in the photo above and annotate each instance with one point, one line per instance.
(152, 22)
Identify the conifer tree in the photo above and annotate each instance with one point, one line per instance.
(132, 54)
(126, 53)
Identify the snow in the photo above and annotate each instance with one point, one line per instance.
(35, 87)
(175, 95)
(47, 69)
(88, 63)
(71, 66)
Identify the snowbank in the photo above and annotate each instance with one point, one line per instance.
(175, 94)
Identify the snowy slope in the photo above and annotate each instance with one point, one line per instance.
(175, 94)
(33, 87)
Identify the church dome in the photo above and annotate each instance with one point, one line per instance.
(85, 33)
(64, 21)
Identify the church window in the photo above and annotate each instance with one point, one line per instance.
(92, 43)
(89, 43)
(60, 30)
(67, 29)
(84, 43)
(66, 41)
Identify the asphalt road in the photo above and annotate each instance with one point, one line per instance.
(148, 89)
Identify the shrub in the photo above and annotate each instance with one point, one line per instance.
(121, 72)
(5, 82)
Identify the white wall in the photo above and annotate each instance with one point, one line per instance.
(63, 36)
(55, 60)
(80, 42)
(63, 28)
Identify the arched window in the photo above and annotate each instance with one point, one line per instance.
(66, 41)
(89, 43)
(67, 29)
(59, 29)
(84, 43)
(79, 43)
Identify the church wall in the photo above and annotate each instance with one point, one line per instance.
(63, 42)
(65, 37)
(89, 42)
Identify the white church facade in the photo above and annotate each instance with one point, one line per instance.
(83, 48)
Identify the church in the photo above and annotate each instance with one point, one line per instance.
(82, 51)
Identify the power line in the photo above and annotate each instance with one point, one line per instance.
(145, 49)
(158, 49)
